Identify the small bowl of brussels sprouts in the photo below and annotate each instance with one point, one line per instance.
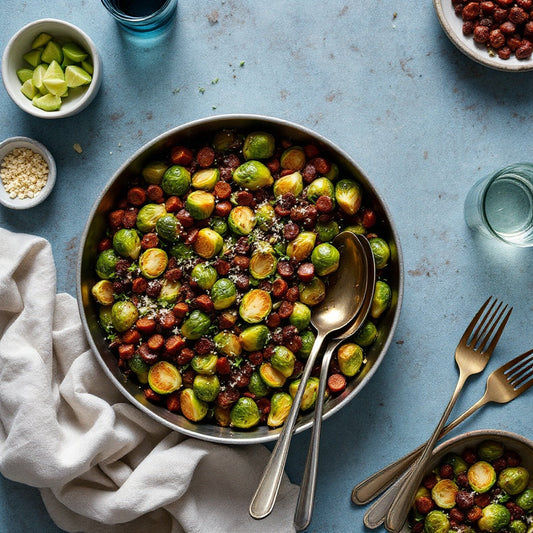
(478, 481)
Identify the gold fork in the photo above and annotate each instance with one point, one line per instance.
(471, 355)
(503, 385)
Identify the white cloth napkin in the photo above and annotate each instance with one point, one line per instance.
(102, 465)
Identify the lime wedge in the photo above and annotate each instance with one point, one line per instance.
(24, 74)
(33, 57)
(88, 67)
(74, 52)
(28, 90)
(75, 76)
(48, 102)
(37, 78)
(52, 52)
(41, 40)
(54, 79)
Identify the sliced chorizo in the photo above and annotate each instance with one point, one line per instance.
(145, 326)
(136, 196)
(181, 155)
(222, 190)
(306, 271)
(205, 156)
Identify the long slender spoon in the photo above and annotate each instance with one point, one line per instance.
(366, 276)
(341, 303)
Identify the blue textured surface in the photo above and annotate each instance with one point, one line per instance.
(386, 85)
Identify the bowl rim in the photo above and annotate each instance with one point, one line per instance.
(26, 142)
(222, 119)
(81, 101)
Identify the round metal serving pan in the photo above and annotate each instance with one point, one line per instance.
(194, 133)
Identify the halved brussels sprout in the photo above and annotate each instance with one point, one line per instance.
(308, 339)
(252, 175)
(358, 229)
(164, 377)
(168, 227)
(176, 180)
(222, 416)
(139, 367)
(206, 388)
(291, 183)
(205, 365)
(458, 464)
(367, 335)
(223, 140)
(495, 518)
(283, 360)
(127, 243)
(490, 450)
(320, 187)
(259, 145)
(191, 406)
(106, 263)
(265, 216)
(312, 292)
(254, 338)
(169, 291)
(350, 357)
(223, 293)
(263, 264)
(148, 216)
(245, 413)
(272, 377)
(204, 275)
(255, 306)
(153, 172)
(301, 247)
(349, 196)
(200, 204)
(280, 406)
(381, 252)
(300, 316)
(105, 318)
(102, 292)
(381, 299)
(293, 158)
(206, 179)
(325, 257)
(481, 476)
(208, 243)
(525, 500)
(257, 386)
(333, 172)
(513, 479)
(153, 262)
(327, 231)
(443, 493)
(436, 522)
(310, 392)
(241, 220)
(124, 314)
(219, 225)
(182, 252)
(195, 325)
(227, 344)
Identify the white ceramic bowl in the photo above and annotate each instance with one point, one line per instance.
(25, 142)
(453, 27)
(20, 43)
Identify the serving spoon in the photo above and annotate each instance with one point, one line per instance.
(365, 277)
(342, 302)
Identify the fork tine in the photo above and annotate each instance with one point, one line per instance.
(514, 362)
(499, 331)
(523, 379)
(472, 325)
(516, 366)
(480, 336)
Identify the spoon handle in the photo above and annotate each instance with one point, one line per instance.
(304, 507)
(265, 496)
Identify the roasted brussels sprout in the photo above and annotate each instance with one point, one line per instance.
(358, 229)
(513, 479)
(481, 476)
(301, 247)
(265, 216)
(258, 145)
(219, 225)
(205, 365)
(381, 299)
(326, 258)
(257, 386)
(102, 292)
(490, 450)
(495, 517)
(255, 306)
(169, 291)
(127, 243)
(525, 500)
(381, 252)
(349, 196)
(200, 204)
(168, 227)
(350, 358)
(191, 406)
(227, 344)
(327, 231)
(245, 413)
(293, 158)
(320, 187)
(223, 140)
(139, 367)
(459, 465)
(105, 317)
(254, 338)
(153, 262)
(280, 406)
(291, 183)
(182, 252)
(222, 417)
(313, 292)
(195, 325)
(283, 360)
(206, 179)
(517, 526)
(443, 493)
(124, 314)
(106, 263)
(204, 275)
(308, 339)
(164, 377)
(148, 216)
(310, 393)
(367, 335)
(241, 220)
(436, 522)
(153, 172)
(252, 175)
(300, 316)
(208, 243)
(272, 377)
(206, 388)
(333, 172)
(176, 180)
(223, 293)
(263, 263)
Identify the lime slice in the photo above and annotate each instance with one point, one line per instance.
(28, 90)
(75, 76)
(37, 78)
(52, 52)
(33, 57)
(74, 52)
(24, 74)
(48, 102)
(41, 40)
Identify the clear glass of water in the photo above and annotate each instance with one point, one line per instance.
(501, 205)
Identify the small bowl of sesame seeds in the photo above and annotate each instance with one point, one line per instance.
(27, 172)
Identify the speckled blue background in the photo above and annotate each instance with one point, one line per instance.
(382, 81)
